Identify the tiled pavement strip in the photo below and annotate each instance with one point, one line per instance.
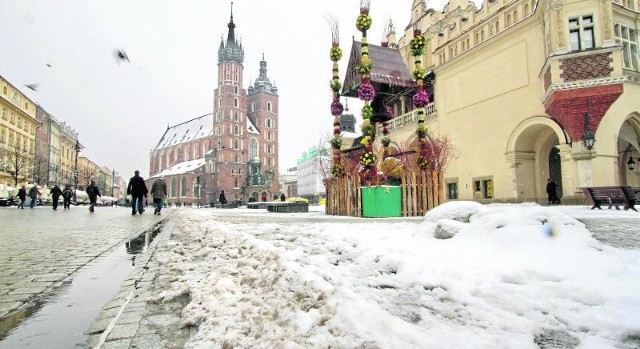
(41, 249)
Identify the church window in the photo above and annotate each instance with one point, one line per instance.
(253, 149)
(236, 144)
(183, 187)
(219, 145)
(236, 158)
(235, 89)
(174, 186)
(268, 106)
(235, 102)
(236, 130)
(236, 118)
(268, 123)
(219, 102)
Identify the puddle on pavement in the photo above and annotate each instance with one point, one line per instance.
(61, 319)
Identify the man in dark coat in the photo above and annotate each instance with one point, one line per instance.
(222, 198)
(137, 189)
(552, 195)
(55, 196)
(67, 194)
(93, 192)
(22, 195)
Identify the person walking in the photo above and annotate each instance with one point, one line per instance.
(93, 192)
(137, 189)
(552, 195)
(158, 193)
(33, 195)
(55, 196)
(222, 198)
(67, 194)
(22, 196)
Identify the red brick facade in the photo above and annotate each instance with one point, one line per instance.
(568, 107)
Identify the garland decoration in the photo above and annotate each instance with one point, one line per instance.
(421, 98)
(335, 54)
(366, 93)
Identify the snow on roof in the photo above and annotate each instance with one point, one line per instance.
(187, 131)
(251, 128)
(181, 168)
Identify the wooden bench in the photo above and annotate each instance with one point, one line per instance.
(612, 196)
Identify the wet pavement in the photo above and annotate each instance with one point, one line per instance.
(43, 252)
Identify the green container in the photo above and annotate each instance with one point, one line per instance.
(383, 201)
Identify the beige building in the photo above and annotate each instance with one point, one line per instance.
(517, 86)
(17, 135)
(87, 171)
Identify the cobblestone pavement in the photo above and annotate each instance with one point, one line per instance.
(40, 248)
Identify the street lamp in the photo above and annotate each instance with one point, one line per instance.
(588, 138)
(113, 179)
(75, 173)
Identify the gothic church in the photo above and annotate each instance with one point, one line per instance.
(233, 149)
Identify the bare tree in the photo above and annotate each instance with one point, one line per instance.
(85, 176)
(322, 162)
(40, 174)
(18, 161)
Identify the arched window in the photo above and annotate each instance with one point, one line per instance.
(236, 144)
(219, 145)
(235, 89)
(268, 123)
(526, 10)
(268, 106)
(236, 118)
(174, 186)
(236, 159)
(253, 149)
(183, 187)
(236, 130)
(235, 102)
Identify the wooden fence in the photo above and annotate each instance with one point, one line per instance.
(421, 191)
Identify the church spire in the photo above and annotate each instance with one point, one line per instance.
(231, 51)
(231, 38)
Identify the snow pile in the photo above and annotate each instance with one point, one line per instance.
(509, 276)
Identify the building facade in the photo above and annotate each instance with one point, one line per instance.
(519, 85)
(18, 126)
(234, 149)
(313, 169)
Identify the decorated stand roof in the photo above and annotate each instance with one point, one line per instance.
(388, 69)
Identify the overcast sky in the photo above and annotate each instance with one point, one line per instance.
(121, 110)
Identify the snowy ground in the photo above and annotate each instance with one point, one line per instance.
(506, 276)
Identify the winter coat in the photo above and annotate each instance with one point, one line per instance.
(22, 194)
(137, 187)
(67, 193)
(33, 192)
(93, 191)
(55, 193)
(159, 189)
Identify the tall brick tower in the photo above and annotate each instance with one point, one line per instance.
(244, 159)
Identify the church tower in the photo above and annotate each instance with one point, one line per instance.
(263, 112)
(244, 158)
